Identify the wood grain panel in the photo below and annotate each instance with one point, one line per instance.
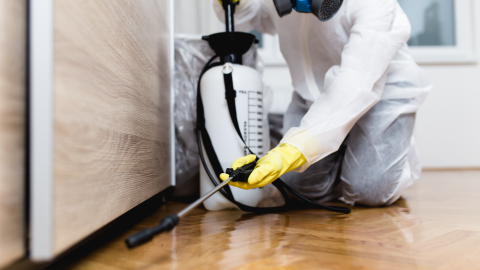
(112, 111)
(13, 33)
(436, 225)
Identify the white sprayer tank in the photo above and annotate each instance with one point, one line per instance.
(228, 146)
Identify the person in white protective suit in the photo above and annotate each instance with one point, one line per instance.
(356, 88)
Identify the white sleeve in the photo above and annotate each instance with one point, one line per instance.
(356, 85)
(249, 15)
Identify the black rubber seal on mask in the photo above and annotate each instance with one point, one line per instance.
(283, 7)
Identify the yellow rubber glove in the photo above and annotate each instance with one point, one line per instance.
(233, 1)
(278, 161)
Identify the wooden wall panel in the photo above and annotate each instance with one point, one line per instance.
(13, 33)
(112, 111)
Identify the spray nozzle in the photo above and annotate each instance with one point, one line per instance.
(241, 174)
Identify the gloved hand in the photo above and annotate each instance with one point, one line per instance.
(233, 1)
(278, 161)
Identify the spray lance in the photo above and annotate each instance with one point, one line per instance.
(229, 47)
(169, 222)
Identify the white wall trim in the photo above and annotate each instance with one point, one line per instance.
(196, 17)
(41, 129)
(172, 91)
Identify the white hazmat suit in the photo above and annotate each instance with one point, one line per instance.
(352, 74)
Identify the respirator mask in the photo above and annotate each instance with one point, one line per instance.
(324, 10)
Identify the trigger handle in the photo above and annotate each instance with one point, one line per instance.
(241, 174)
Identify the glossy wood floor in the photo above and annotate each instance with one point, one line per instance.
(436, 225)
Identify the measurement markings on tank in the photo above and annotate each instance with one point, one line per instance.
(255, 121)
(245, 135)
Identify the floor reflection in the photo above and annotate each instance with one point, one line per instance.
(435, 227)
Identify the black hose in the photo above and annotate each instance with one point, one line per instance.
(279, 184)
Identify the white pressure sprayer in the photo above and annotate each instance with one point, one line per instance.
(232, 96)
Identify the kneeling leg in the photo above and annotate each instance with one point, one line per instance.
(381, 159)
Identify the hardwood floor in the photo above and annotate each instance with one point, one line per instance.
(436, 225)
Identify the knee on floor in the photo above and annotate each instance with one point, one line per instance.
(373, 188)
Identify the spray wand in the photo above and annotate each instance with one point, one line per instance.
(240, 174)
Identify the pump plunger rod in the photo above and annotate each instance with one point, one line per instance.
(229, 8)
